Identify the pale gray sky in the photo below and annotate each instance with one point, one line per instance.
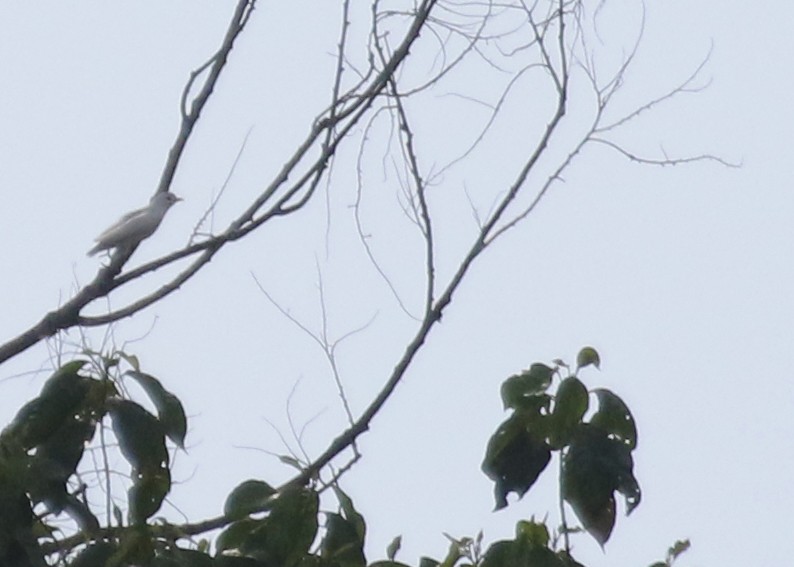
(681, 277)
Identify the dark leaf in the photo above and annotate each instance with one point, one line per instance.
(570, 405)
(520, 553)
(394, 547)
(54, 462)
(94, 555)
(342, 546)
(63, 450)
(630, 489)
(517, 389)
(428, 562)
(169, 409)
(678, 548)
(140, 435)
(595, 466)
(131, 359)
(236, 533)
(613, 416)
(147, 493)
(248, 497)
(515, 458)
(60, 399)
(136, 547)
(18, 545)
(586, 357)
(291, 526)
(291, 461)
(350, 514)
(396, 563)
(281, 539)
(533, 532)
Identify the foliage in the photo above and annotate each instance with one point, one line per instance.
(596, 453)
(675, 551)
(42, 448)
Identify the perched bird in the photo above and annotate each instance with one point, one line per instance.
(137, 225)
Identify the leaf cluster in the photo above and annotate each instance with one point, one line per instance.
(41, 450)
(595, 451)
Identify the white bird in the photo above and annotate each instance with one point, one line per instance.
(136, 225)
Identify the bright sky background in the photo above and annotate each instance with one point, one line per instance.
(681, 277)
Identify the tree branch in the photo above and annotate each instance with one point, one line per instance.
(105, 281)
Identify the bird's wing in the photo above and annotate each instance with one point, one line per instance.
(121, 222)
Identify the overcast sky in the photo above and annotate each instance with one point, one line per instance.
(681, 277)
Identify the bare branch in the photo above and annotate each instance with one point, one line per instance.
(68, 315)
(666, 161)
(211, 209)
(215, 64)
(108, 278)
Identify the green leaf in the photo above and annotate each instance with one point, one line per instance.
(18, 544)
(678, 548)
(454, 553)
(396, 563)
(282, 538)
(594, 467)
(614, 417)
(530, 383)
(394, 547)
(60, 399)
(46, 473)
(131, 359)
(292, 525)
(515, 457)
(291, 461)
(533, 532)
(349, 512)
(140, 435)
(147, 493)
(520, 553)
(169, 409)
(342, 546)
(70, 368)
(586, 357)
(570, 405)
(248, 497)
(235, 534)
(55, 461)
(63, 450)
(96, 554)
(136, 548)
(428, 562)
